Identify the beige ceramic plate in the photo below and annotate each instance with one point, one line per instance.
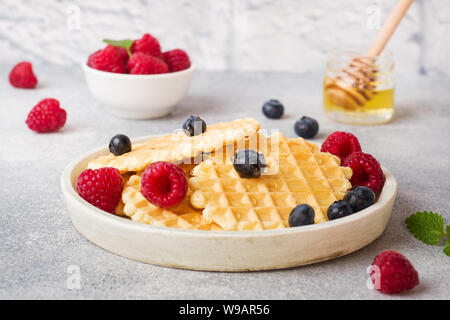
(224, 250)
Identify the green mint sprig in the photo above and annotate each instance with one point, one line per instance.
(126, 44)
(428, 227)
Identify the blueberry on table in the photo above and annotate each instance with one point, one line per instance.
(306, 127)
(249, 163)
(193, 126)
(301, 215)
(338, 209)
(273, 109)
(119, 144)
(359, 198)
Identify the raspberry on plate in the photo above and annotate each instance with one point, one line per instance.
(148, 45)
(141, 63)
(366, 171)
(164, 184)
(177, 60)
(341, 144)
(46, 116)
(109, 59)
(22, 76)
(391, 272)
(101, 187)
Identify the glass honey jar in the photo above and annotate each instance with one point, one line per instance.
(359, 89)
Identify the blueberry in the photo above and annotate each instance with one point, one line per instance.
(273, 109)
(119, 144)
(306, 127)
(301, 215)
(248, 163)
(193, 126)
(359, 198)
(338, 209)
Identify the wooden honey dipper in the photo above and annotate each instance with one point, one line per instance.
(352, 87)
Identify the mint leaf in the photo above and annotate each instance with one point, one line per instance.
(447, 245)
(447, 231)
(426, 226)
(126, 44)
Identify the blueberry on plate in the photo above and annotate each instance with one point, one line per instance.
(306, 127)
(119, 144)
(338, 209)
(301, 215)
(194, 125)
(249, 163)
(359, 198)
(273, 109)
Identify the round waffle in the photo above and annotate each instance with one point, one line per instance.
(303, 175)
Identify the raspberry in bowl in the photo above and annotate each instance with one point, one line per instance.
(135, 79)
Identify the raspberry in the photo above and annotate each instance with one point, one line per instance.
(101, 187)
(123, 54)
(148, 45)
(109, 59)
(22, 76)
(341, 144)
(177, 60)
(366, 171)
(391, 272)
(141, 63)
(46, 116)
(164, 184)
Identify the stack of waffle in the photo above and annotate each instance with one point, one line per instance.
(218, 199)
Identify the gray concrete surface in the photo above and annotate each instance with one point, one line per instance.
(39, 244)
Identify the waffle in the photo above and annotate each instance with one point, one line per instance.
(119, 209)
(178, 147)
(303, 175)
(182, 216)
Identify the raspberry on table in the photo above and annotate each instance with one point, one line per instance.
(46, 116)
(141, 63)
(366, 171)
(22, 76)
(148, 45)
(177, 60)
(109, 59)
(164, 184)
(101, 187)
(391, 272)
(341, 144)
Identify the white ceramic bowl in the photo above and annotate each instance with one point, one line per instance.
(134, 96)
(224, 250)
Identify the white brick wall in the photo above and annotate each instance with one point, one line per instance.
(280, 35)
